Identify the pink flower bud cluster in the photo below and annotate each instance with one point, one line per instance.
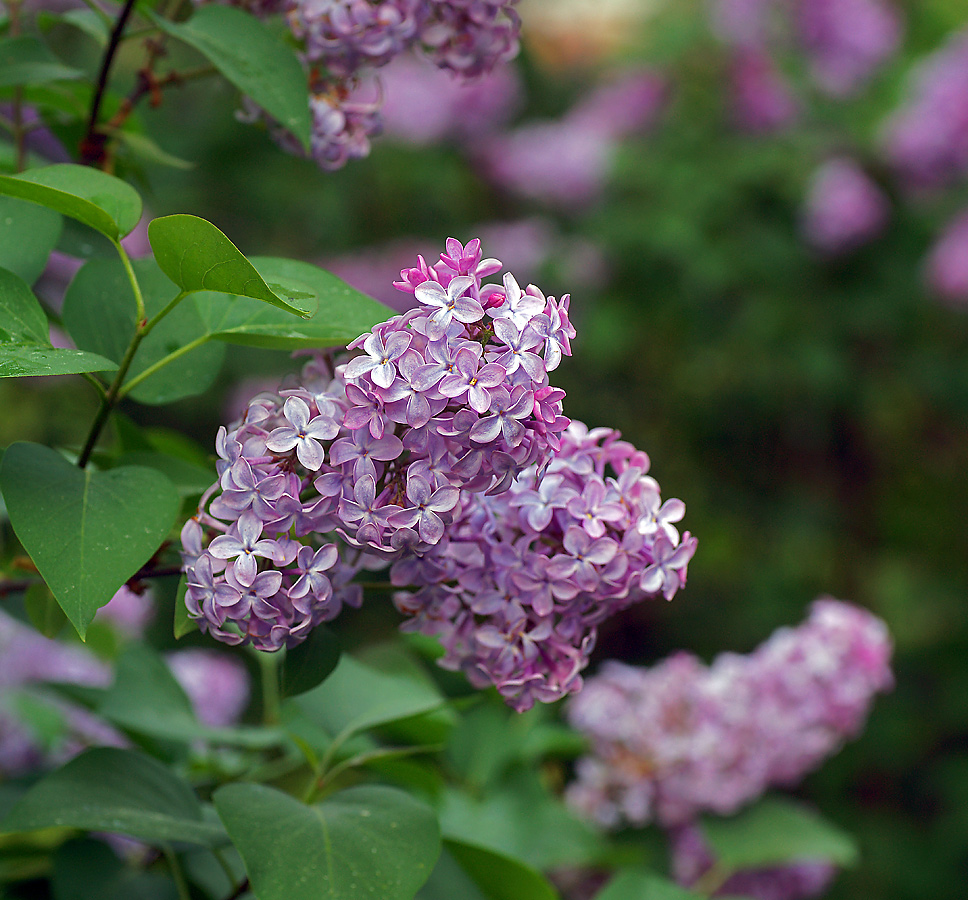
(682, 738)
(452, 397)
(516, 591)
(692, 858)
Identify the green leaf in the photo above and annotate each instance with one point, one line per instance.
(100, 315)
(775, 831)
(356, 697)
(253, 59)
(107, 789)
(85, 869)
(144, 148)
(42, 610)
(632, 884)
(449, 881)
(26, 60)
(198, 257)
(85, 20)
(498, 876)
(87, 532)
(343, 314)
(359, 844)
(19, 358)
(21, 316)
(183, 624)
(96, 199)
(310, 663)
(28, 233)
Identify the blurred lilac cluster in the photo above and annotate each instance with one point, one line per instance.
(216, 684)
(692, 858)
(683, 738)
(844, 208)
(844, 42)
(516, 592)
(344, 42)
(440, 448)
(565, 162)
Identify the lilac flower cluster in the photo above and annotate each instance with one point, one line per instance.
(450, 398)
(516, 591)
(844, 208)
(844, 41)
(692, 858)
(343, 42)
(681, 738)
(947, 264)
(216, 684)
(927, 139)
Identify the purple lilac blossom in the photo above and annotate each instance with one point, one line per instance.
(129, 612)
(947, 265)
(216, 683)
(927, 139)
(517, 588)
(424, 105)
(763, 101)
(682, 738)
(566, 162)
(692, 858)
(844, 208)
(368, 462)
(26, 659)
(846, 41)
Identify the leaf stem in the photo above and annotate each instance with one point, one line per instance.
(154, 367)
(181, 885)
(133, 280)
(712, 880)
(269, 668)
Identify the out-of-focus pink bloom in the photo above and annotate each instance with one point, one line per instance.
(844, 208)
(423, 104)
(692, 858)
(947, 264)
(927, 139)
(129, 612)
(847, 40)
(744, 23)
(762, 99)
(216, 683)
(566, 162)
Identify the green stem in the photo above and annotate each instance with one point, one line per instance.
(271, 700)
(181, 885)
(154, 320)
(129, 386)
(712, 880)
(133, 280)
(100, 388)
(226, 868)
(100, 13)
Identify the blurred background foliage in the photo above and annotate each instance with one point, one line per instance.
(810, 408)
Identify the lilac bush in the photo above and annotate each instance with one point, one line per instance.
(682, 738)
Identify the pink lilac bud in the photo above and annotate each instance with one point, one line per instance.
(927, 139)
(682, 738)
(368, 463)
(216, 684)
(947, 265)
(692, 858)
(516, 591)
(847, 40)
(844, 208)
(763, 101)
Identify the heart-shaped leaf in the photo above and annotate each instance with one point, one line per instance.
(500, 877)
(24, 345)
(87, 532)
(97, 199)
(28, 233)
(343, 314)
(107, 789)
(194, 254)
(361, 843)
(252, 58)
